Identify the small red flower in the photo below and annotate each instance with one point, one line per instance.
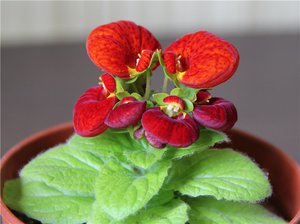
(128, 113)
(201, 60)
(213, 112)
(121, 48)
(92, 108)
(170, 125)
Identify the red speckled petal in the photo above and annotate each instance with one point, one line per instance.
(219, 114)
(170, 61)
(90, 111)
(179, 132)
(144, 61)
(109, 82)
(126, 114)
(206, 59)
(114, 47)
(174, 100)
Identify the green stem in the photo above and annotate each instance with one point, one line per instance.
(165, 85)
(148, 84)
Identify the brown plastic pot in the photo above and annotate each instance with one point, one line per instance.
(283, 171)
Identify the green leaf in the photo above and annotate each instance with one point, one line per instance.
(107, 145)
(47, 203)
(159, 97)
(189, 106)
(185, 92)
(206, 210)
(122, 190)
(134, 77)
(121, 95)
(120, 146)
(161, 198)
(65, 168)
(208, 138)
(174, 212)
(137, 96)
(142, 154)
(223, 174)
(119, 84)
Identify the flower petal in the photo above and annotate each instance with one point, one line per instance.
(203, 96)
(203, 59)
(174, 100)
(181, 131)
(126, 114)
(90, 111)
(109, 82)
(170, 61)
(144, 61)
(154, 141)
(219, 114)
(114, 47)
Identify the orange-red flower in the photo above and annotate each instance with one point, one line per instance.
(201, 60)
(92, 108)
(121, 48)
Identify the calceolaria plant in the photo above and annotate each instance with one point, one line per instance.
(146, 157)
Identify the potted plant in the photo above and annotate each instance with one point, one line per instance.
(139, 156)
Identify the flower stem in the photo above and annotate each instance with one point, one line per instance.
(148, 84)
(165, 85)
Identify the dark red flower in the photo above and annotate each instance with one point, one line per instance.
(93, 106)
(215, 113)
(201, 60)
(128, 113)
(170, 125)
(121, 48)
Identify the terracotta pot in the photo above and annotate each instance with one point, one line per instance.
(283, 171)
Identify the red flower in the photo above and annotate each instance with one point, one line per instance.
(170, 125)
(215, 113)
(121, 48)
(201, 60)
(92, 108)
(128, 113)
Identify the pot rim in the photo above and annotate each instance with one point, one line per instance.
(68, 125)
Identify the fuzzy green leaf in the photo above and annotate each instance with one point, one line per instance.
(223, 174)
(106, 145)
(122, 190)
(174, 212)
(142, 154)
(120, 146)
(65, 168)
(207, 210)
(47, 203)
(208, 138)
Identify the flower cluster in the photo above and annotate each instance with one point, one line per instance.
(128, 53)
